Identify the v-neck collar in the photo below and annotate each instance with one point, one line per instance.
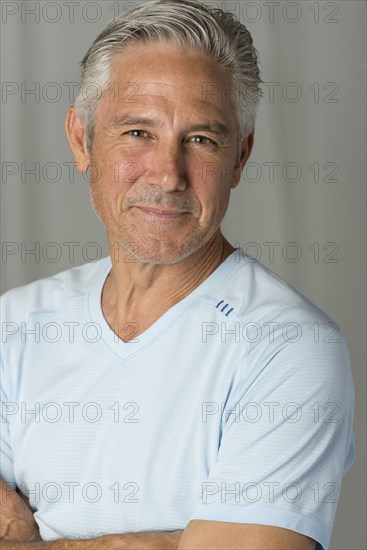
(122, 349)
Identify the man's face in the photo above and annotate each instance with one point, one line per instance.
(166, 148)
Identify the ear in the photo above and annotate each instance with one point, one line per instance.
(77, 138)
(246, 148)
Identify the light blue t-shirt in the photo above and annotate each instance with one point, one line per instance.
(235, 405)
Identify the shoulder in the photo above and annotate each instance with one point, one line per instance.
(50, 293)
(258, 294)
(287, 335)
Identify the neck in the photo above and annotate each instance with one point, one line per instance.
(140, 291)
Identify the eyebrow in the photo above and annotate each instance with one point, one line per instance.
(128, 120)
(215, 127)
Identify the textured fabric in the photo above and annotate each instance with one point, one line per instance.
(236, 405)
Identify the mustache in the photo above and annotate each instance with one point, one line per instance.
(153, 197)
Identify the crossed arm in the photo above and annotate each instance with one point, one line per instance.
(19, 531)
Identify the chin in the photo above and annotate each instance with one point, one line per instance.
(161, 253)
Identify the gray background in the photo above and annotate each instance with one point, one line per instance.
(315, 119)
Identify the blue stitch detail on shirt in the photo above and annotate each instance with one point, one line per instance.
(224, 307)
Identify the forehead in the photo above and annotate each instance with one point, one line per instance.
(168, 77)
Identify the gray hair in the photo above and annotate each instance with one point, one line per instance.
(188, 23)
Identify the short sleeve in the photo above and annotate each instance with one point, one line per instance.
(287, 436)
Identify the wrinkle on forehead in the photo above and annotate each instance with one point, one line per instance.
(166, 66)
(165, 79)
(134, 89)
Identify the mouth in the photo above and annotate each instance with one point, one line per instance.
(163, 213)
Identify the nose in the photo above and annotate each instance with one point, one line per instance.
(168, 169)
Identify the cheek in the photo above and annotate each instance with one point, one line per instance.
(128, 166)
(121, 175)
(211, 191)
(112, 178)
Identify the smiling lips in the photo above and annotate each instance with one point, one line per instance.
(163, 213)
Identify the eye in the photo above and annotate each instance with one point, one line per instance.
(202, 140)
(135, 133)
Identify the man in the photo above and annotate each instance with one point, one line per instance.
(172, 395)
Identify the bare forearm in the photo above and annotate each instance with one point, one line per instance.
(19, 531)
(146, 540)
(61, 544)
